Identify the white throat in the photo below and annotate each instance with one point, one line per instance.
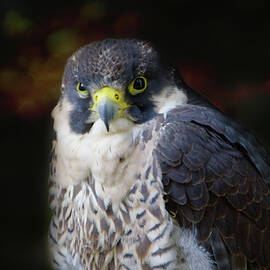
(99, 154)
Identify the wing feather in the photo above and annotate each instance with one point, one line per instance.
(216, 176)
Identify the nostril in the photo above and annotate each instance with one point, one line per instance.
(96, 97)
(116, 96)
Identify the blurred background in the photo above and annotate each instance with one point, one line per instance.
(222, 51)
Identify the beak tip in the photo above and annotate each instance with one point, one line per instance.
(107, 111)
(107, 126)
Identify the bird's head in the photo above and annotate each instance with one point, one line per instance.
(115, 79)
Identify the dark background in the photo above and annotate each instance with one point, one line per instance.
(222, 51)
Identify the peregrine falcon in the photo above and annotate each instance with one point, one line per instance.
(147, 175)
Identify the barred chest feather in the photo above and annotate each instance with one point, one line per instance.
(111, 213)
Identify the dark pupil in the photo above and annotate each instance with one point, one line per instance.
(139, 84)
(82, 87)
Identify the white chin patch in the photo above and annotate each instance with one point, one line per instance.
(117, 125)
(166, 102)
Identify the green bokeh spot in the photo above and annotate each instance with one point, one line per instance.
(15, 24)
(93, 10)
(62, 42)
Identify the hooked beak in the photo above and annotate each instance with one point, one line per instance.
(109, 104)
(107, 111)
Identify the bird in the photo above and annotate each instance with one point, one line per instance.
(147, 174)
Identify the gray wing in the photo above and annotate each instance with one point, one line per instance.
(216, 178)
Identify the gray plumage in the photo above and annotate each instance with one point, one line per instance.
(146, 174)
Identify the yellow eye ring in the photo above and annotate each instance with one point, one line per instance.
(81, 89)
(138, 85)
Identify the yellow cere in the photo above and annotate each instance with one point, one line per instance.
(111, 93)
(138, 85)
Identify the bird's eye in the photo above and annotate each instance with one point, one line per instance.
(81, 89)
(138, 85)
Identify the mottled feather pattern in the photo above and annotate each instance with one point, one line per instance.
(92, 234)
(215, 185)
